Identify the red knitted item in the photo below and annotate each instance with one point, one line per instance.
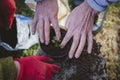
(36, 68)
(7, 10)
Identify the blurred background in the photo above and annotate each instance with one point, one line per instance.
(108, 37)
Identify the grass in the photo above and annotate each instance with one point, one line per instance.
(23, 9)
(108, 39)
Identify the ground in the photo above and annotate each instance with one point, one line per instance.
(109, 38)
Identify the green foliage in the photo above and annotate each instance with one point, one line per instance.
(56, 42)
(112, 19)
(23, 9)
(113, 15)
(31, 51)
(71, 5)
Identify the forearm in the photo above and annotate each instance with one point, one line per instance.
(100, 5)
(17, 65)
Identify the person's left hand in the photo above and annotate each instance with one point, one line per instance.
(45, 15)
(79, 24)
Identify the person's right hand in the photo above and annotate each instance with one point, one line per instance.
(45, 15)
(79, 24)
(36, 68)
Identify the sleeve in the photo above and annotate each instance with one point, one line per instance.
(38, 0)
(8, 68)
(100, 5)
(7, 10)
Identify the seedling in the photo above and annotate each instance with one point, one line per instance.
(56, 42)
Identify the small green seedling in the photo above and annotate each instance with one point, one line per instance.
(56, 42)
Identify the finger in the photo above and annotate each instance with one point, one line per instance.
(43, 58)
(51, 69)
(90, 36)
(90, 41)
(56, 27)
(41, 30)
(34, 24)
(75, 43)
(67, 37)
(67, 23)
(81, 45)
(47, 31)
(83, 38)
(55, 68)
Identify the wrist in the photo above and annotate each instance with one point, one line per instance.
(88, 6)
(17, 65)
(8, 68)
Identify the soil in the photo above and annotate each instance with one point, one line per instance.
(87, 67)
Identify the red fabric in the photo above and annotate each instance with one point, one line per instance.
(7, 10)
(36, 68)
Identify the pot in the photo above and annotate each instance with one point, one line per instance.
(53, 49)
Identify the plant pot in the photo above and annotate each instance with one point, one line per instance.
(53, 51)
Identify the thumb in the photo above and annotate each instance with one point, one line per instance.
(44, 58)
(34, 24)
(54, 68)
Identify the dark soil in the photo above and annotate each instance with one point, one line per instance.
(87, 67)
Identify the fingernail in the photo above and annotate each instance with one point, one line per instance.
(89, 52)
(46, 43)
(70, 56)
(76, 56)
(41, 41)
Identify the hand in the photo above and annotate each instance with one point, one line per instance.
(36, 68)
(45, 15)
(79, 24)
